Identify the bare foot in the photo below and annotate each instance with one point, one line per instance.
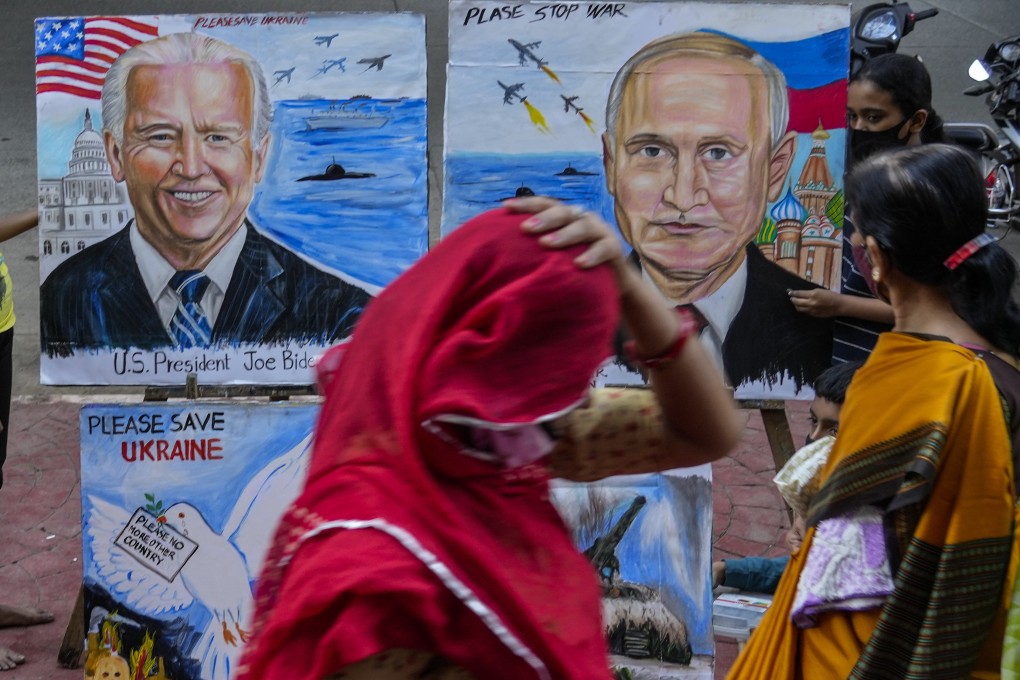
(13, 617)
(9, 659)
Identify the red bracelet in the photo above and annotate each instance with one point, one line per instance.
(688, 326)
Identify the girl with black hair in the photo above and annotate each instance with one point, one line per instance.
(888, 106)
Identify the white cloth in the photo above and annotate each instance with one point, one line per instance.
(800, 478)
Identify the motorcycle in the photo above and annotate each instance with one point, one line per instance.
(999, 75)
(879, 28)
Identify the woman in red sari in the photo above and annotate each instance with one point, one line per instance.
(424, 543)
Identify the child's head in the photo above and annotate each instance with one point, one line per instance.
(888, 105)
(830, 393)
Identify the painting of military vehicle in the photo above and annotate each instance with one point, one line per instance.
(649, 540)
(637, 624)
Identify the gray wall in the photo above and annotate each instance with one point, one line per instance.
(947, 43)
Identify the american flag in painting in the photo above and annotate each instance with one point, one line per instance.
(73, 54)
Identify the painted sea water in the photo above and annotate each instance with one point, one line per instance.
(476, 182)
(346, 185)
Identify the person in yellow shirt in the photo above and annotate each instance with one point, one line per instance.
(11, 226)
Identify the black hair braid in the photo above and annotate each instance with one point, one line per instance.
(981, 292)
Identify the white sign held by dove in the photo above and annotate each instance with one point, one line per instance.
(155, 544)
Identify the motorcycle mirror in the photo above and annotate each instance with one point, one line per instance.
(977, 90)
(978, 72)
(879, 25)
(1010, 51)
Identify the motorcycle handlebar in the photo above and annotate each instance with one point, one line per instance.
(925, 14)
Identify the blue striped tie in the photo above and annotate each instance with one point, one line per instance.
(189, 325)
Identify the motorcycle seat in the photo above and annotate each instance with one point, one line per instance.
(972, 135)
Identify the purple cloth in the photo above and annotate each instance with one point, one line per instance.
(847, 568)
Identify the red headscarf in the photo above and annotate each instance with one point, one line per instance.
(400, 539)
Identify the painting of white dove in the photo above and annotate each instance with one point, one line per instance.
(177, 545)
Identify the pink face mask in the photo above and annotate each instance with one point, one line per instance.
(863, 265)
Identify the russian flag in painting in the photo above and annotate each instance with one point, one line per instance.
(816, 76)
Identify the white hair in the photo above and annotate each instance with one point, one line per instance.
(182, 48)
(705, 45)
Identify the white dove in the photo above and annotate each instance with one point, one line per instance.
(218, 575)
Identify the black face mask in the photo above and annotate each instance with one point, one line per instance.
(863, 143)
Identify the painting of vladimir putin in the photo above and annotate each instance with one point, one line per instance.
(695, 148)
(186, 129)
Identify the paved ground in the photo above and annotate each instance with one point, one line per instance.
(40, 530)
(40, 521)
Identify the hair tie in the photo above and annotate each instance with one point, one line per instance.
(968, 249)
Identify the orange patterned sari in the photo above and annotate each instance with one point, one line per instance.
(924, 441)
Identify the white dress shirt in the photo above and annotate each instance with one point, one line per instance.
(719, 309)
(156, 273)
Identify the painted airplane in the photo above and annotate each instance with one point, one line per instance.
(568, 103)
(330, 63)
(326, 40)
(524, 52)
(375, 62)
(280, 75)
(511, 91)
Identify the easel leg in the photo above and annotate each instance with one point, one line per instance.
(73, 644)
(777, 429)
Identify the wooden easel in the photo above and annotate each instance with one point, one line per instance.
(73, 644)
(192, 390)
(777, 431)
(777, 427)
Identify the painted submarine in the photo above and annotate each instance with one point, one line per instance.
(571, 171)
(335, 171)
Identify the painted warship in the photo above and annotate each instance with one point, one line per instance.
(354, 114)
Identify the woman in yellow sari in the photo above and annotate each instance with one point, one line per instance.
(906, 569)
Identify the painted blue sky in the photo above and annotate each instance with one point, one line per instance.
(585, 53)
(277, 48)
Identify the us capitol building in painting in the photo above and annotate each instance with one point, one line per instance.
(84, 206)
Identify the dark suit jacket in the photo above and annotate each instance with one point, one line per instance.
(97, 299)
(769, 336)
